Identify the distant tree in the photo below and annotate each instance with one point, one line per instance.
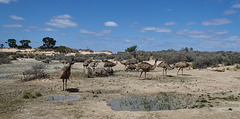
(132, 49)
(12, 43)
(49, 43)
(191, 49)
(187, 49)
(25, 43)
(1, 45)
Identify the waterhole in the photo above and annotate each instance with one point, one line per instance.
(5, 76)
(62, 98)
(162, 101)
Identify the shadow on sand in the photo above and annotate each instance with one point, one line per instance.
(72, 90)
(184, 74)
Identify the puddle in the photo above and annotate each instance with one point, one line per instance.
(5, 76)
(163, 101)
(62, 98)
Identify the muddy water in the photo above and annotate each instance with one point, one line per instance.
(163, 101)
(62, 98)
(5, 76)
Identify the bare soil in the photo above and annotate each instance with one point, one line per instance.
(221, 90)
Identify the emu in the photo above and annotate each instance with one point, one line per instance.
(66, 72)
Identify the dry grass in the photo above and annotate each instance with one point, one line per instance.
(222, 88)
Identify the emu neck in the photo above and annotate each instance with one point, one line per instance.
(68, 67)
(154, 66)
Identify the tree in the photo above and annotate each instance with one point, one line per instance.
(12, 43)
(191, 49)
(25, 43)
(49, 43)
(186, 49)
(1, 45)
(132, 49)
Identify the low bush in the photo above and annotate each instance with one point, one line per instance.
(4, 59)
(36, 72)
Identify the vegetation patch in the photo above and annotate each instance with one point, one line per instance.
(28, 95)
(4, 59)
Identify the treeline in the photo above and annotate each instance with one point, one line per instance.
(199, 59)
(48, 43)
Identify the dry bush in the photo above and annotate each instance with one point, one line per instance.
(36, 72)
(4, 59)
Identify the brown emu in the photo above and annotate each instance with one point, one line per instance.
(165, 66)
(66, 72)
(146, 67)
(181, 65)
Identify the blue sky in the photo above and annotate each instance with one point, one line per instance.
(152, 25)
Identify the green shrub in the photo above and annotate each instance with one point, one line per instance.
(31, 55)
(38, 94)
(28, 95)
(59, 57)
(237, 67)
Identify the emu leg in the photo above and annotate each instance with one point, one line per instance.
(166, 71)
(178, 70)
(140, 75)
(66, 84)
(145, 75)
(163, 71)
(63, 84)
(182, 71)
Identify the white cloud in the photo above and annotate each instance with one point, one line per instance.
(226, 43)
(13, 25)
(234, 38)
(111, 24)
(222, 32)
(95, 33)
(231, 11)
(200, 34)
(62, 21)
(170, 23)
(216, 22)
(236, 6)
(127, 40)
(64, 16)
(48, 29)
(41, 29)
(7, 1)
(150, 38)
(190, 23)
(16, 17)
(169, 9)
(155, 29)
(134, 24)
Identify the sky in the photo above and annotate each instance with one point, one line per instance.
(114, 25)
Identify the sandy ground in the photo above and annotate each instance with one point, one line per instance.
(94, 93)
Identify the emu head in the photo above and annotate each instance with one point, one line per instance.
(72, 61)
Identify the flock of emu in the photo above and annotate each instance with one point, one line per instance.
(131, 64)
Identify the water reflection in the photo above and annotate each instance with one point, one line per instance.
(62, 98)
(163, 101)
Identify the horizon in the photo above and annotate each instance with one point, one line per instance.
(206, 25)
